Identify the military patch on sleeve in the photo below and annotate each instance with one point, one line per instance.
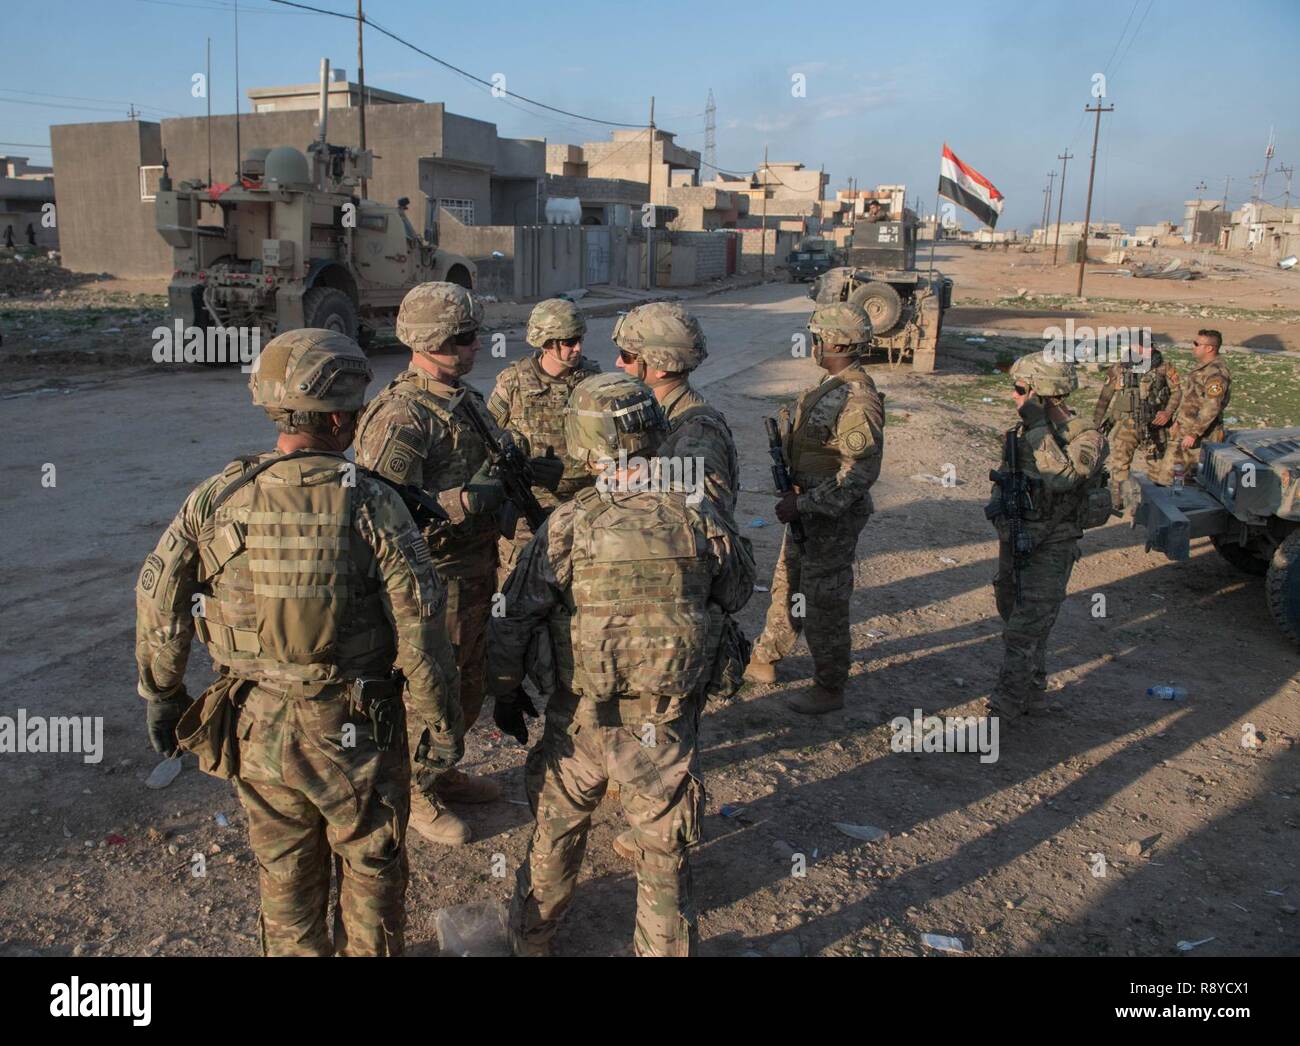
(856, 442)
(416, 553)
(150, 573)
(1214, 388)
(397, 462)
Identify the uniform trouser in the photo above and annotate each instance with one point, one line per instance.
(662, 796)
(1163, 472)
(1044, 577)
(822, 573)
(469, 606)
(1124, 443)
(317, 791)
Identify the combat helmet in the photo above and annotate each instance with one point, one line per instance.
(613, 412)
(842, 326)
(311, 370)
(1045, 376)
(554, 319)
(433, 312)
(663, 334)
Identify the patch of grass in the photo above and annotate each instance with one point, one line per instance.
(1206, 310)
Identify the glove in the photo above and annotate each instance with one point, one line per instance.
(508, 713)
(440, 750)
(547, 471)
(484, 493)
(161, 718)
(1032, 412)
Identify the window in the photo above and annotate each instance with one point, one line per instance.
(377, 222)
(149, 176)
(461, 210)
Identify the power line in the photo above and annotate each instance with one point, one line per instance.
(24, 145)
(497, 90)
(86, 98)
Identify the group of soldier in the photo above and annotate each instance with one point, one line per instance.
(359, 613)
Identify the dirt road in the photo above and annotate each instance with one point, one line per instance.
(1197, 834)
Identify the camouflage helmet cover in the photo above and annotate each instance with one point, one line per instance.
(841, 323)
(663, 334)
(612, 412)
(553, 319)
(433, 312)
(1045, 376)
(310, 369)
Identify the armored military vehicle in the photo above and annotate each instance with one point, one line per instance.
(292, 245)
(1246, 499)
(906, 306)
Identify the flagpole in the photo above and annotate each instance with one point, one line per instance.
(934, 233)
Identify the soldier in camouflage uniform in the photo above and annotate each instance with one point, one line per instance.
(834, 445)
(1063, 458)
(1129, 400)
(660, 344)
(415, 431)
(529, 401)
(308, 580)
(632, 585)
(1200, 414)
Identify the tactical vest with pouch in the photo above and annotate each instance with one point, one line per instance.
(1087, 505)
(288, 596)
(539, 416)
(642, 622)
(814, 458)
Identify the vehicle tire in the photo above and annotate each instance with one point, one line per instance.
(1247, 560)
(1282, 587)
(459, 275)
(330, 308)
(882, 303)
(365, 336)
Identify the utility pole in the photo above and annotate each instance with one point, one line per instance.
(1047, 203)
(762, 254)
(1286, 206)
(650, 195)
(1196, 214)
(361, 86)
(1065, 158)
(711, 135)
(1226, 182)
(1092, 174)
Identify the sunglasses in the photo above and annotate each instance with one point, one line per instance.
(466, 338)
(627, 357)
(1021, 390)
(570, 343)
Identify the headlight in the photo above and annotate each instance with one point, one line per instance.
(1230, 490)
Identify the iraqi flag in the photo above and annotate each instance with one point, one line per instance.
(967, 187)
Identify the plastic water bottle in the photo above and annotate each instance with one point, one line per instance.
(1179, 474)
(1167, 693)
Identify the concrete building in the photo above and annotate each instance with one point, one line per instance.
(1264, 230)
(791, 193)
(341, 94)
(107, 172)
(1204, 221)
(25, 189)
(627, 157)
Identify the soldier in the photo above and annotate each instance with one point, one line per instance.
(660, 344)
(1199, 418)
(876, 213)
(834, 446)
(307, 579)
(529, 401)
(1061, 457)
(415, 431)
(1134, 411)
(632, 585)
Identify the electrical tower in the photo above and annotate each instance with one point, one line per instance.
(711, 136)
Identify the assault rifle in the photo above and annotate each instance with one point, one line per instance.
(515, 474)
(1012, 501)
(781, 474)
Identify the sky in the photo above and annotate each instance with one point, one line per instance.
(1196, 86)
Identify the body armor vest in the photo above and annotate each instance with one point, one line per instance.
(288, 596)
(539, 416)
(642, 622)
(812, 459)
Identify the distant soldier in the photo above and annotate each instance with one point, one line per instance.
(416, 431)
(1060, 459)
(1134, 411)
(660, 344)
(529, 401)
(632, 584)
(835, 440)
(876, 213)
(308, 580)
(1199, 418)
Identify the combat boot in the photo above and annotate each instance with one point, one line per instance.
(817, 701)
(760, 671)
(454, 787)
(435, 822)
(528, 949)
